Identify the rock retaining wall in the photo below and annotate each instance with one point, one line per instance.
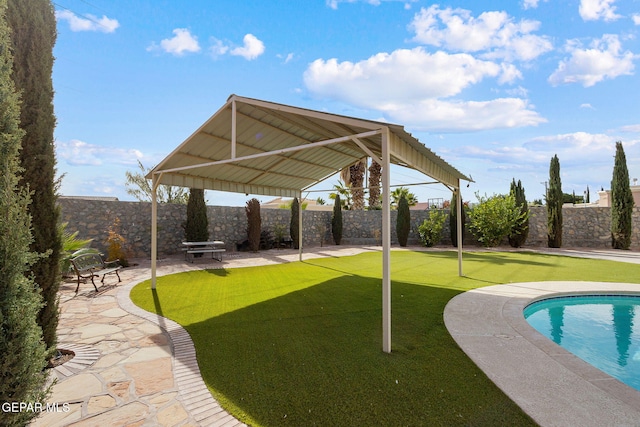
(582, 227)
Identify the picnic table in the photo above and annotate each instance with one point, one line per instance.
(214, 247)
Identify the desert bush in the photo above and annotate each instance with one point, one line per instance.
(430, 231)
(494, 218)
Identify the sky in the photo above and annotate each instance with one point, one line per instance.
(496, 88)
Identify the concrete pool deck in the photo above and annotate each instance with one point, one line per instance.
(553, 386)
(137, 369)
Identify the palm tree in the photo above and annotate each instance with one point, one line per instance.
(375, 172)
(342, 190)
(396, 194)
(357, 181)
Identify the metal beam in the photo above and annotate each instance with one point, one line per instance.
(276, 152)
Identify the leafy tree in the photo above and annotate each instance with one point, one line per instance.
(453, 220)
(403, 221)
(336, 221)
(430, 231)
(33, 34)
(197, 225)
(23, 351)
(554, 205)
(343, 191)
(493, 218)
(375, 173)
(254, 224)
(140, 188)
(518, 235)
(294, 228)
(621, 202)
(411, 198)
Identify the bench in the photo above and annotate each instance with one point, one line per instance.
(215, 248)
(88, 266)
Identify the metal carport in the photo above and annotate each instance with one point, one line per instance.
(259, 147)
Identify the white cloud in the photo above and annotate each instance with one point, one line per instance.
(80, 153)
(587, 106)
(604, 60)
(179, 44)
(399, 76)
(286, 58)
(253, 47)
(493, 34)
(218, 48)
(406, 86)
(577, 148)
(88, 22)
(593, 10)
(636, 18)
(631, 128)
(531, 4)
(465, 116)
(333, 4)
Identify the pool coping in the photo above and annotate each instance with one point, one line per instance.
(553, 386)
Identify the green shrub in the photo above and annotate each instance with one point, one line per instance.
(254, 224)
(403, 221)
(430, 231)
(336, 220)
(494, 218)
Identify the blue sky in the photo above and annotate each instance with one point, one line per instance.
(496, 87)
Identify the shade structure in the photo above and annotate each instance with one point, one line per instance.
(253, 146)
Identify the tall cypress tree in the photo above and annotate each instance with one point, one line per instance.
(23, 352)
(453, 220)
(403, 221)
(33, 34)
(519, 234)
(197, 225)
(294, 225)
(621, 202)
(554, 205)
(336, 220)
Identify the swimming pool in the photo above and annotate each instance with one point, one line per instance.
(603, 330)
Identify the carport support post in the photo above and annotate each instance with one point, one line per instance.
(386, 244)
(459, 224)
(154, 229)
(300, 225)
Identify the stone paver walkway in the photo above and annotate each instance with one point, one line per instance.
(134, 368)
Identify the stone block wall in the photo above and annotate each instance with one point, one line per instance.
(582, 227)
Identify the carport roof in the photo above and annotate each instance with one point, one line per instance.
(259, 147)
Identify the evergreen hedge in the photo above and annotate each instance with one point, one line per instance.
(621, 202)
(403, 221)
(453, 220)
(294, 227)
(254, 224)
(197, 225)
(554, 205)
(336, 221)
(33, 34)
(520, 232)
(23, 351)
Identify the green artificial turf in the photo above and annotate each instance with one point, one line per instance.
(300, 343)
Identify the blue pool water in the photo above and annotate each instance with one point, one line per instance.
(602, 330)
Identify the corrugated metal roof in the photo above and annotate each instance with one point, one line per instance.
(281, 150)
